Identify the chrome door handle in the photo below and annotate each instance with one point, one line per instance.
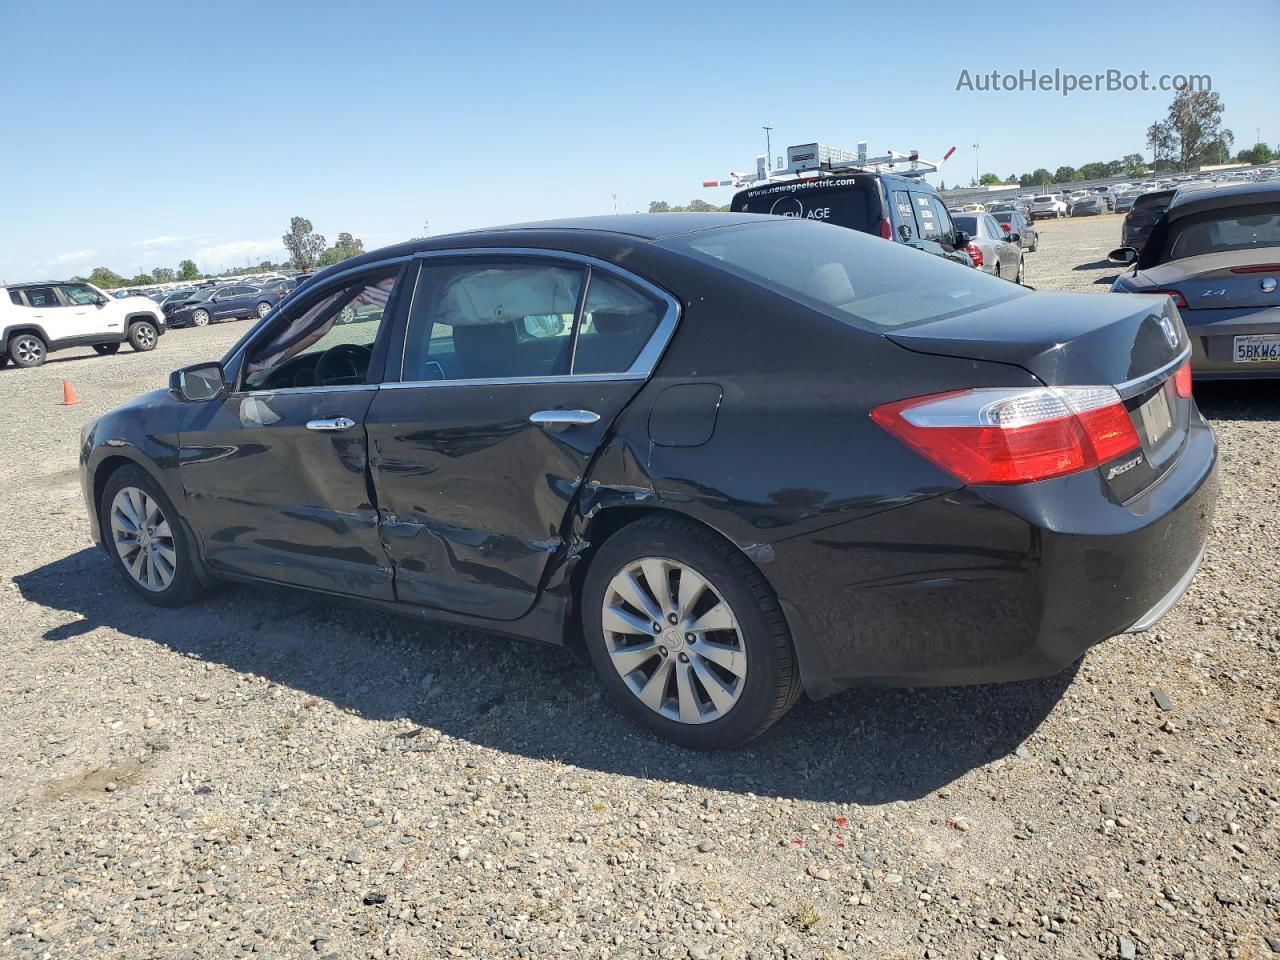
(333, 423)
(563, 419)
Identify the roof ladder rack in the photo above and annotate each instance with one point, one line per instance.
(816, 160)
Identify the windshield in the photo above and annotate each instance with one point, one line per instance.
(857, 279)
(1221, 232)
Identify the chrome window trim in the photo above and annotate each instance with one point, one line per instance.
(318, 388)
(1131, 388)
(643, 365)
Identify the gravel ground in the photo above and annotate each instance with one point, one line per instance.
(271, 774)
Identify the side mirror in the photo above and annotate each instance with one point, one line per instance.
(962, 239)
(1123, 255)
(203, 381)
(102, 301)
(1014, 237)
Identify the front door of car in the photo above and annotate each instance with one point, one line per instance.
(228, 302)
(514, 369)
(275, 472)
(86, 316)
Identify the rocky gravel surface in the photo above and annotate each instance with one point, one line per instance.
(271, 775)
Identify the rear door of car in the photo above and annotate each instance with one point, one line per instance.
(514, 367)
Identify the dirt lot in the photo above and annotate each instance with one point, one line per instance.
(268, 773)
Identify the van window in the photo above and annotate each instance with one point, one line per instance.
(906, 212)
(851, 202)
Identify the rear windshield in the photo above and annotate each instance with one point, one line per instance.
(968, 224)
(844, 201)
(860, 280)
(1002, 217)
(1220, 232)
(1158, 201)
(1043, 199)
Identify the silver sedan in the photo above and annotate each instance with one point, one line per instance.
(993, 251)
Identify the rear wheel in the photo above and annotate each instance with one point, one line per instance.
(263, 309)
(687, 636)
(106, 349)
(147, 543)
(27, 350)
(142, 336)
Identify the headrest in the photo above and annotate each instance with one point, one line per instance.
(830, 283)
(613, 320)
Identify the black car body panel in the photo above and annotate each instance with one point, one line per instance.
(448, 503)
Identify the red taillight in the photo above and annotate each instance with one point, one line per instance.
(1007, 228)
(1178, 299)
(886, 229)
(1260, 268)
(1182, 380)
(1005, 436)
(974, 254)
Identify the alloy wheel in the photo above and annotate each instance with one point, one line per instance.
(200, 318)
(143, 539)
(145, 336)
(674, 640)
(263, 309)
(28, 350)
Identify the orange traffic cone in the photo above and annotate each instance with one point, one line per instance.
(68, 394)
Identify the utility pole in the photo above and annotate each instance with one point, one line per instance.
(976, 175)
(768, 145)
(615, 204)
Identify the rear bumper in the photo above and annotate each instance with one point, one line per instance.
(995, 584)
(1213, 334)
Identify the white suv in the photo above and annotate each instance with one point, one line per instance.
(38, 318)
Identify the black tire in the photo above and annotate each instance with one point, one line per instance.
(143, 335)
(27, 350)
(1021, 274)
(186, 584)
(262, 309)
(106, 349)
(1035, 245)
(4, 360)
(772, 682)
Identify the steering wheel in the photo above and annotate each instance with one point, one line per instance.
(345, 363)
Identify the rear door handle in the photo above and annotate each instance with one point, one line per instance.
(332, 423)
(563, 419)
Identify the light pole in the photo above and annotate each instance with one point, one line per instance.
(976, 175)
(615, 204)
(768, 146)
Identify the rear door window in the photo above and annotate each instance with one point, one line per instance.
(492, 320)
(906, 212)
(617, 321)
(945, 223)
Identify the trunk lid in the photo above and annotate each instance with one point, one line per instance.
(1131, 342)
(1216, 280)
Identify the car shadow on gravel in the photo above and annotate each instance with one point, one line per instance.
(867, 746)
(1234, 400)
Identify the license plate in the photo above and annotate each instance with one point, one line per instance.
(1258, 347)
(1156, 417)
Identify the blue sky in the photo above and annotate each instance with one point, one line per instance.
(140, 133)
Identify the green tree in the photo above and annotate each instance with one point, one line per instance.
(187, 270)
(163, 274)
(1041, 177)
(346, 246)
(1065, 174)
(1133, 165)
(1215, 152)
(987, 179)
(1195, 122)
(1093, 171)
(303, 245)
(142, 280)
(1258, 153)
(105, 277)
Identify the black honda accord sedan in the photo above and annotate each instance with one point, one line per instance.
(736, 456)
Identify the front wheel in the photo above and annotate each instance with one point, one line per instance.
(200, 318)
(687, 636)
(142, 336)
(263, 309)
(147, 543)
(27, 350)
(106, 349)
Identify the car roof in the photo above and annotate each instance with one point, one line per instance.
(1199, 199)
(646, 227)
